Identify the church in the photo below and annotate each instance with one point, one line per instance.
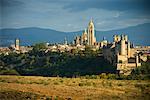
(87, 37)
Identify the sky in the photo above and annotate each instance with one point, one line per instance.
(73, 15)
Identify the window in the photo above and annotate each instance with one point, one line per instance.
(120, 61)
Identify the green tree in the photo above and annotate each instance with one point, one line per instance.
(39, 46)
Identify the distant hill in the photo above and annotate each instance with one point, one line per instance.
(31, 35)
(139, 35)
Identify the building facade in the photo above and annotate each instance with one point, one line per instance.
(17, 42)
(122, 54)
(91, 34)
(87, 37)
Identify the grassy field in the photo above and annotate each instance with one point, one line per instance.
(56, 88)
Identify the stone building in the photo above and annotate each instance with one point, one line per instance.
(103, 43)
(87, 37)
(91, 34)
(122, 54)
(17, 42)
(84, 38)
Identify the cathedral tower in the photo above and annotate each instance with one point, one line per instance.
(91, 34)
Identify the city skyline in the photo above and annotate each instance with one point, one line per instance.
(69, 15)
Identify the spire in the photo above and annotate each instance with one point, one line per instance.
(85, 31)
(91, 19)
(104, 38)
(91, 22)
(65, 41)
(91, 33)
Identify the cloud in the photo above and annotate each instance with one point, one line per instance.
(119, 24)
(117, 15)
(10, 3)
(119, 5)
(73, 15)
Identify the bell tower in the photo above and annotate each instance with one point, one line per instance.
(17, 47)
(91, 33)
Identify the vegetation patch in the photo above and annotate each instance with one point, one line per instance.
(18, 95)
(57, 88)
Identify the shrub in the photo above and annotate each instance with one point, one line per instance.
(81, 84)
(9, 72)
(93, 77)
(56, 83)
(103, 76)
(85, 84)
(56, 98)
(120, 84)
(61, 81)
(87, 76)
(121, 77)
(111, 76)
(48, 98)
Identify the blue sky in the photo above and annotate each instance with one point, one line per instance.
(73, 15)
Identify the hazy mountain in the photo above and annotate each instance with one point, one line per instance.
(31, 35)
(139, 35)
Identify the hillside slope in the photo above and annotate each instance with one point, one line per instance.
(139, 35)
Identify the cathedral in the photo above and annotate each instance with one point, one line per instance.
(87, 37)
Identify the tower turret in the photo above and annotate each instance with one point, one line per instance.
(84, 37)
(137, 60)
(129, 51)
(122, 49)
(126, 38)
(17, 47)
(116, 38)
(65, 41)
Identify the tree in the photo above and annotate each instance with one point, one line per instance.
(39, 46)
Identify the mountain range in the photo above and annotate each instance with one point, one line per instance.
(139, 35)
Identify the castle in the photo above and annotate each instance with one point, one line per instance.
(122, 54)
